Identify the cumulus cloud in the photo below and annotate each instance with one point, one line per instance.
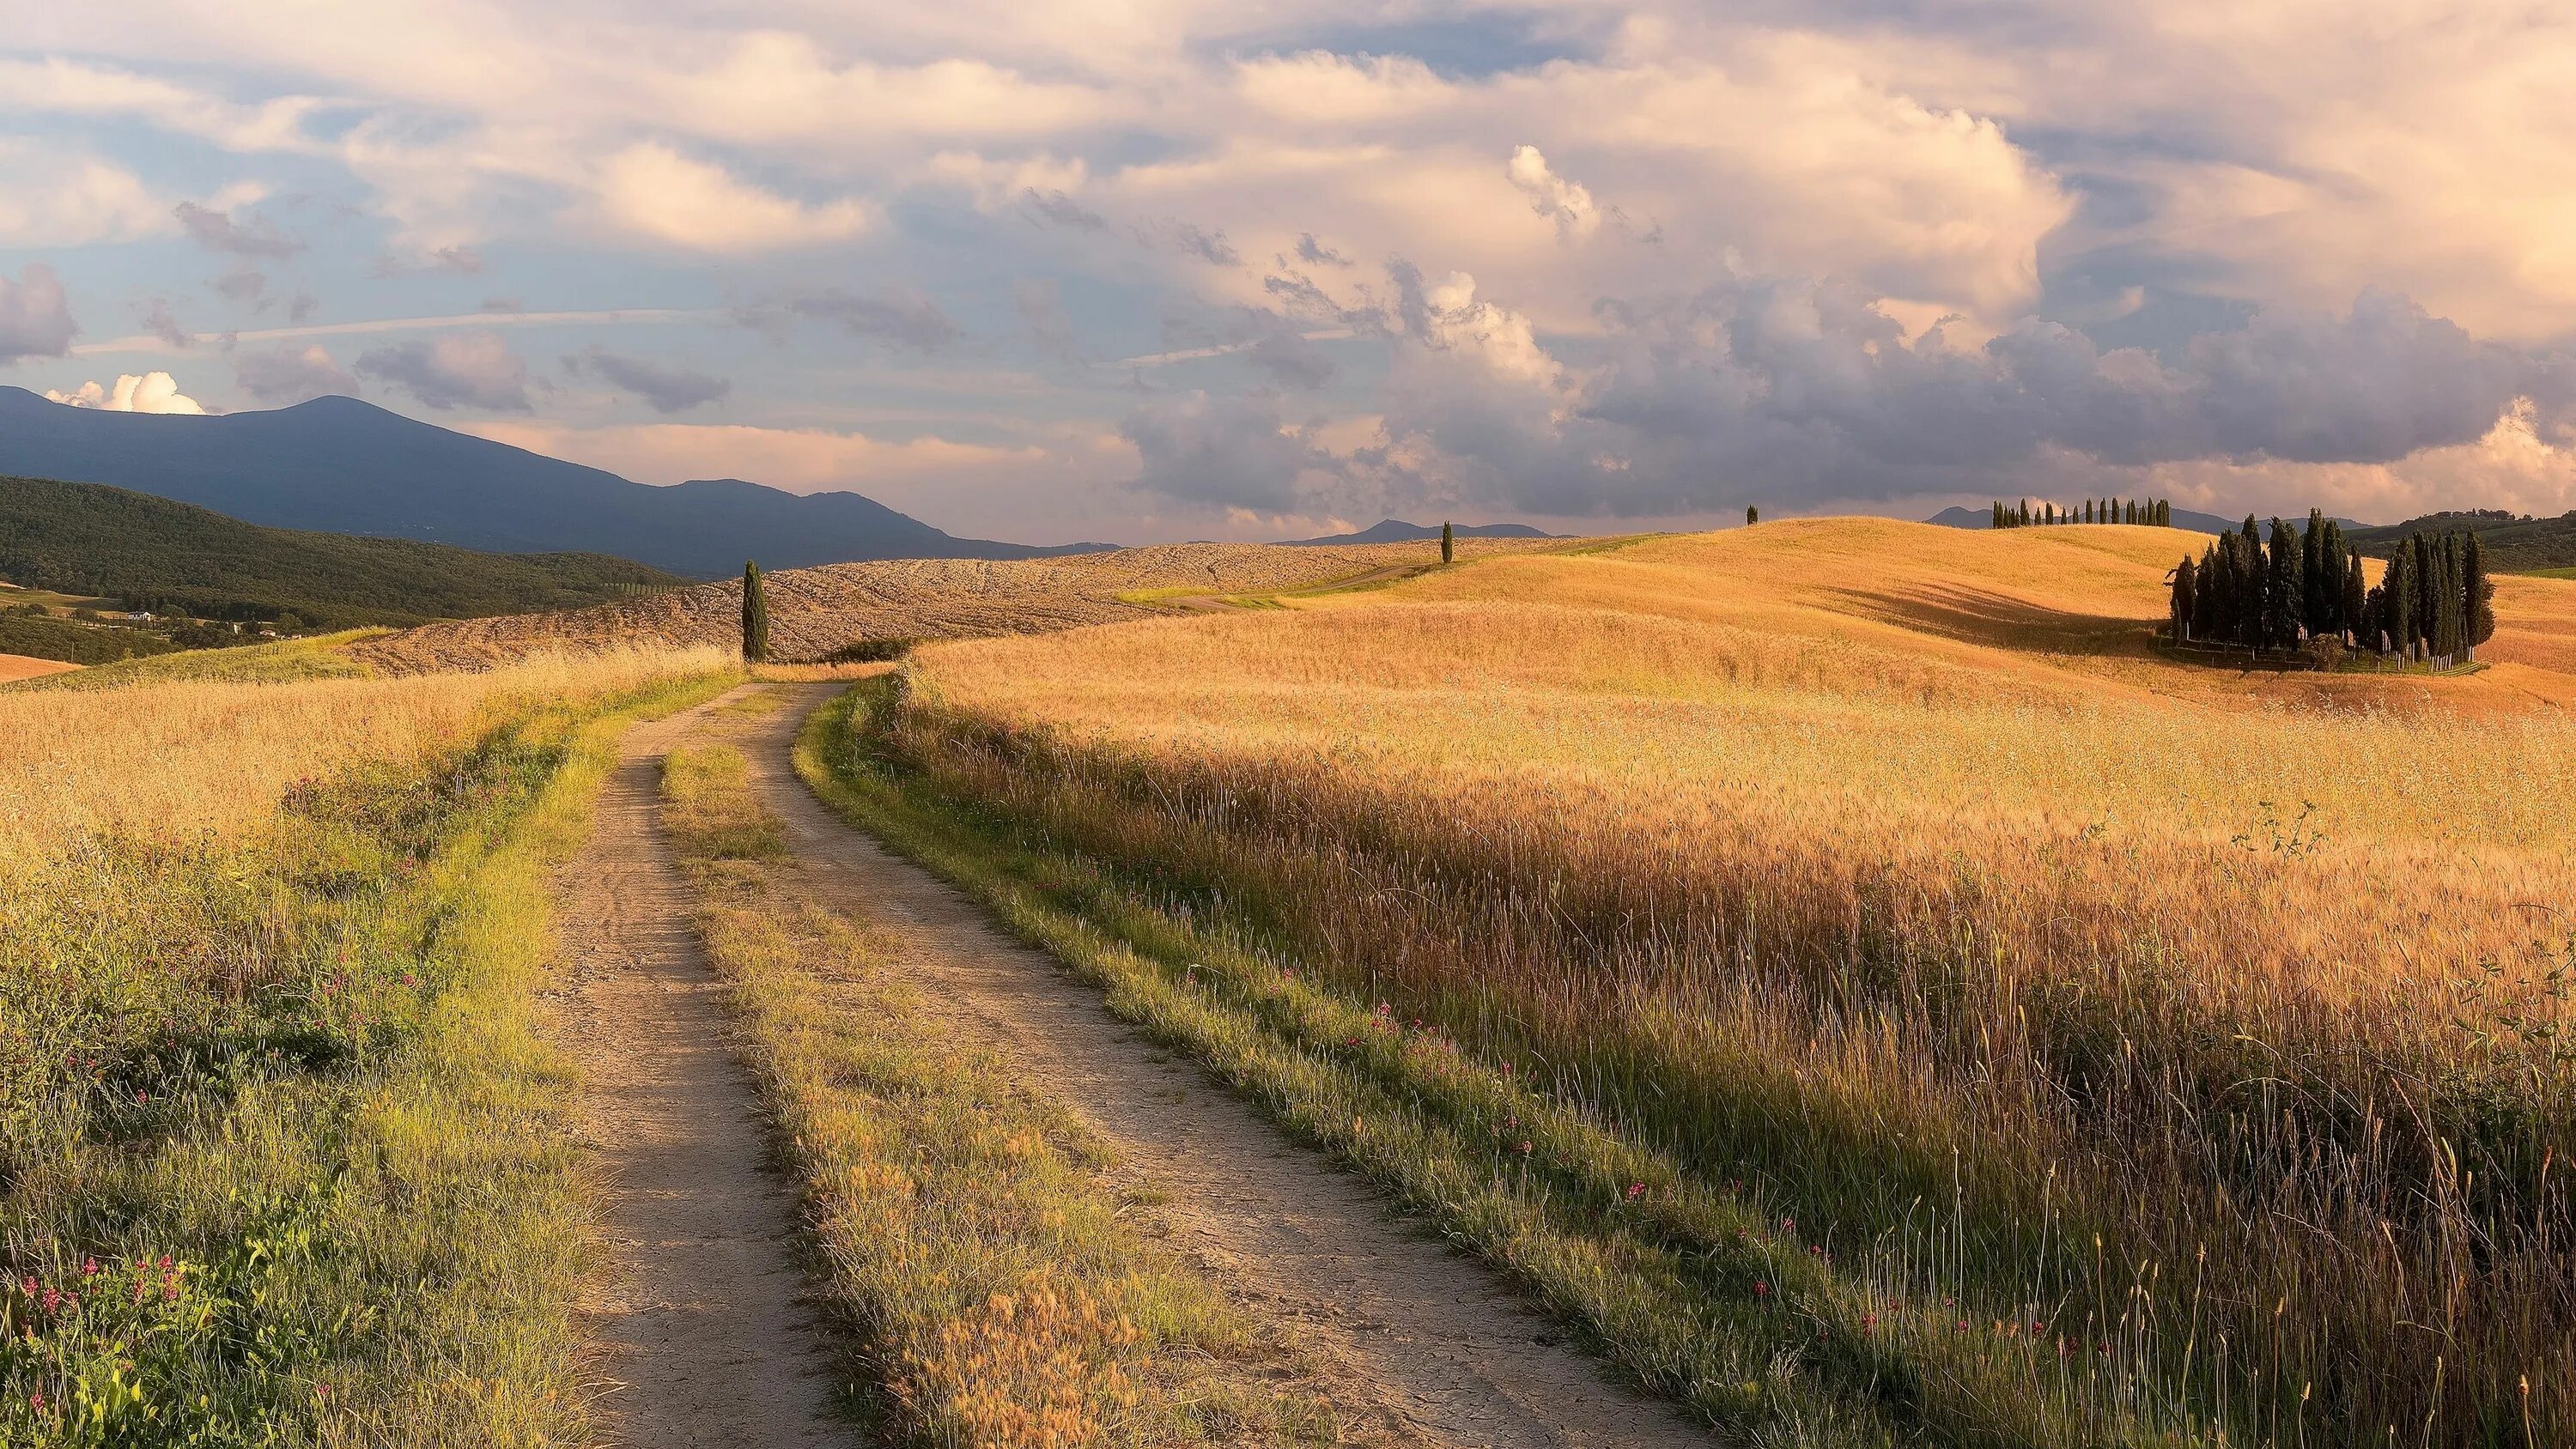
(1552, 196)
(1235, 452)
(217, 231)
(653, 192)
(458, 370)
(35, 315)
(905, 317)
(153, 392)
(664, 388)
(283, 375)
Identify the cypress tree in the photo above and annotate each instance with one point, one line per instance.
(1448, 543)
(2281, 588)
(2479, 593)
(1752, 516)
(2186, 596)
(2355, 589)
(2088, 510)
(1999, 516)
(2312, 572)
(2400, 603)
(755, 615)
(2428, 594)
(2164, 512)
(2455, 601)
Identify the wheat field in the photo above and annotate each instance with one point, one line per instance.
(1893, 873)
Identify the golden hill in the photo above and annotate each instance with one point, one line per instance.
(1893, 868)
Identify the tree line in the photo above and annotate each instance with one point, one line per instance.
(2154, 512)
(2435, 602)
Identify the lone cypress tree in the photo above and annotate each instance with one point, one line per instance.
(1448, 543)
(1752, 515)
(2478, 591)
(755, 616)
(2186, 597)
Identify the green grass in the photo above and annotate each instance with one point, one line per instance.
(1699, 1291)
(286, 661)
(287, 1160)
(996, 1284)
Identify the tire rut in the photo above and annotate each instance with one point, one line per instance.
(699, 1338)
(1428, 1338)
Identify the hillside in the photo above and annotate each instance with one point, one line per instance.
(816, 612)
(339, 465)
(2515, 543)
(172, 558)
(1396, 530)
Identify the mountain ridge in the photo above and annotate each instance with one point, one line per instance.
(341, 465)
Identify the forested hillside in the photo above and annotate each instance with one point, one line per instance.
(2514, 543)
(173, 558)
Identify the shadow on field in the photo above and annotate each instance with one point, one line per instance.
(1981, 616)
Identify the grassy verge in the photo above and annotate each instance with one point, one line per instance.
(288, 661)
(287, 1161)
(990, 1269)
(1697, 1289)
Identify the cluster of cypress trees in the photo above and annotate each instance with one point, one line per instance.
(2156, 512)
(2436, 602)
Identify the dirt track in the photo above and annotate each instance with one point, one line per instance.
(700, 1337)
(1412, 1331)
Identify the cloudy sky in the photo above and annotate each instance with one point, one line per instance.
(1189, 268)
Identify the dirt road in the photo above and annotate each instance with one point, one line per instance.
(1419, 1334)
(701, 1337)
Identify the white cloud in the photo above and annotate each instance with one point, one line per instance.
(51, 198)
(1552, 196)
(153, 392)
(654, 193)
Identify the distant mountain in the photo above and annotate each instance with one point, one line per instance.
(174, 558)
(2183, 518)
(339, 465)
(1396, 530)
(2514, 543)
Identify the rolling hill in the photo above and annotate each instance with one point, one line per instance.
(1396, 530)
(173, 558)
(339, 465)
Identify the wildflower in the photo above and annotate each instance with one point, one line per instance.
(1636, 1190)
(1524, 1147)
(89, 1267)
(36, 1401)
(1868, 1321)
(1761, 1289)
(53, 1299)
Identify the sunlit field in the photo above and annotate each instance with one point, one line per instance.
(282, 1159)
(1891, 881)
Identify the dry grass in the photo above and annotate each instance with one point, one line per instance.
(175, 762)
(815, 612)
(269, 957)
(1890, 869)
